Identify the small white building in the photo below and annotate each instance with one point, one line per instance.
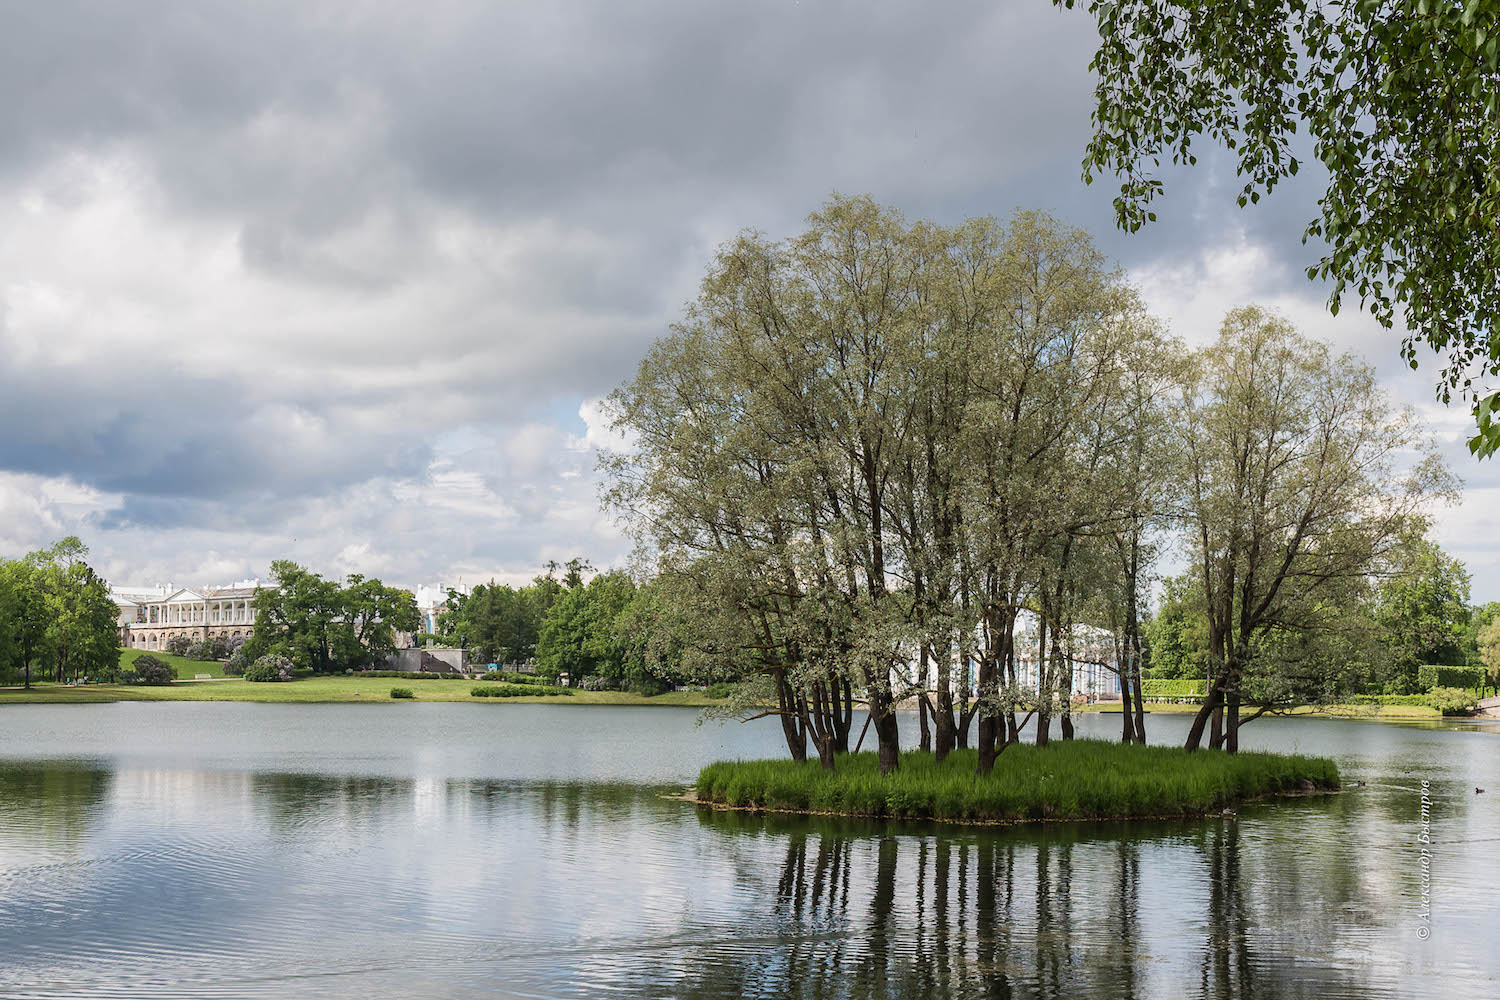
(432, 602)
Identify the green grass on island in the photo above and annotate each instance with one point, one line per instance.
(1068, 780)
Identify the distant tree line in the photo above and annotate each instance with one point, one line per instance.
(57, 619)
(1413, 610)
(596, 631)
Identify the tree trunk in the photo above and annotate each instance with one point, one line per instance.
(1012, 728)
(1211, 703)
(888, 735)
(1140, 707)
(843, 715)
(924, 739)
(987, 717)
(1043, 689)
(947, 733)
(1232, 721)
(791, 723)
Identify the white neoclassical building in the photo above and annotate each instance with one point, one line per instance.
(1091, 651)
(149, 616)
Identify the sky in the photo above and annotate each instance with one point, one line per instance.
(345, 283)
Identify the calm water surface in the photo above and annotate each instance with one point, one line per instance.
(235, 850)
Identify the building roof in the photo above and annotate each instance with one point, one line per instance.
(164, 594)
(220, 593)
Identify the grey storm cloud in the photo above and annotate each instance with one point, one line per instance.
(261, 265)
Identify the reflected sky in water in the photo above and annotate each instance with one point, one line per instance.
(217, 850)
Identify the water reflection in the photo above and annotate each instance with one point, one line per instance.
(260, 874)
(1068, 912)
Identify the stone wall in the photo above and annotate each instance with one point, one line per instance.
(427, 661)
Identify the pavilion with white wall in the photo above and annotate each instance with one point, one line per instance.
(149, 616)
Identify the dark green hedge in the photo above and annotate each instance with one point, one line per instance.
(1431, 675)
(1175, 689)
(519, 691)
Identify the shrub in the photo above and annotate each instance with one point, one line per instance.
(510, 677)
(519, 691)
(720, 690)
(402, 693)
(649, 685)
(239, 658)
(1432, 675)
(1405, 700)
(150, 670)
(269, 668)
(1450, 700)
(595, 682)
(179, 644)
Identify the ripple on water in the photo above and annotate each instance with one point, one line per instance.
(219, 873)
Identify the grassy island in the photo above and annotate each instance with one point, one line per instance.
(1069, 780)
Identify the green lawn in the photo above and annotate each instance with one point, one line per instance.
(1316, 711)
(322, 689)
(1068, 780)
(186, 668)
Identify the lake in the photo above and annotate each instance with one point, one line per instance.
(452, 850)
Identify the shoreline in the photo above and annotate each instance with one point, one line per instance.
(344, 689)
(330, 690)
(690, 795)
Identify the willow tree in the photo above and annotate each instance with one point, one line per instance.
(1300, 476)
(865, 449)
(1052, 355)
(768, 426)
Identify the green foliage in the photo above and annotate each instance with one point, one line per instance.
(269, 668)
(719, 690)
(150, 670)
(1488, 645)
(322, 626)
(1177, 689)
(1451, 700)
(1431, 676)
(502, 624)
(1069, 780)
(511, 677)
(578, 636)
(1403, 700)
(1400, 104)
(56, 617)
(520, 691)
(1178, 633)
(402, 693)
(1424, 609)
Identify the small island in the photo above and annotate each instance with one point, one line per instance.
(1065, 781)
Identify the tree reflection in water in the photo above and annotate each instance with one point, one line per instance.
(1057, 912)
